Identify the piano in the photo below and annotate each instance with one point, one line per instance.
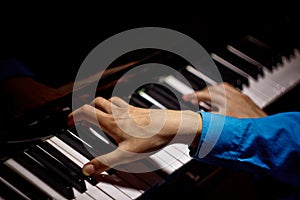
(265, 65)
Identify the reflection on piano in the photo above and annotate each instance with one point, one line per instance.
(264, 65)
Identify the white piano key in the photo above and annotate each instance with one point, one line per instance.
(70, 150)
(133, 180)
(152, 100)
(264, 90)
(266, 86)
(78, 138)
(173, 151)
(183, 148)
(108, 188)
(162, 164)
(65, 153)
(200, 75)
(168, 159)
(245, 57)
(96, 193)
(125, 188)
(287, 74)
(94, 132)
(178, 85)
(112, 191)
(229, 65)
(258, 91)
(276, 82)
(257, 99)
(81, 196)
(147, 174)
(11, 163)
(182, 88)
(80, 160)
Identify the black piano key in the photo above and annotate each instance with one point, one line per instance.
(137, 100)
(196, 82)
(260, 55)
(174, 102)
(6, 192)
(131, 179)
(177, 100)
(111, 147)
(99, 142)
(21, 184)
(97, 145)
(171, 81)
(283, 36)
(68, 163)
(242, 64)
(86, 148)
(80, 147)
(54, 181)
(57, 168)
(275, 57)
(160, 90)
(231, 77)
(77, 145)
(168, 103)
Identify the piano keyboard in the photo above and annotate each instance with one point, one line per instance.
(51, 168)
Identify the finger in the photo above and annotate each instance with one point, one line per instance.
(191, 98)
(109, 160)
(90, 115)
(119, 102)
(195, 98)
(102, 104)
(85, 113)
(70, 120)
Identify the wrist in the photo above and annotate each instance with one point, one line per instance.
(190, 128)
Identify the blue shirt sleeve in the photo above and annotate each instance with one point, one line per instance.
(11, 68)
(269, 145)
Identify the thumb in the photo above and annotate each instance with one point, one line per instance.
(109, 160)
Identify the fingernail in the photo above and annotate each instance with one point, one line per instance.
(88, 169)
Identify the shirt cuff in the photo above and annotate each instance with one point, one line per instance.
(220, 137)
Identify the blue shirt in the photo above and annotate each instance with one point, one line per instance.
(12, 68)
(269, 145)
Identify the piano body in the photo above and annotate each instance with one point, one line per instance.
(264, 64)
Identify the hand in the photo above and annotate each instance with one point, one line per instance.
(226, 100)
(137, 131)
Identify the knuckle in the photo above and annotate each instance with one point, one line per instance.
(98, 99)
(114, 98)
(85, 108)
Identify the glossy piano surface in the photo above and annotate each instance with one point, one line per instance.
(264, 64)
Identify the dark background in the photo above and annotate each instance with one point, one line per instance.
(53, 40)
